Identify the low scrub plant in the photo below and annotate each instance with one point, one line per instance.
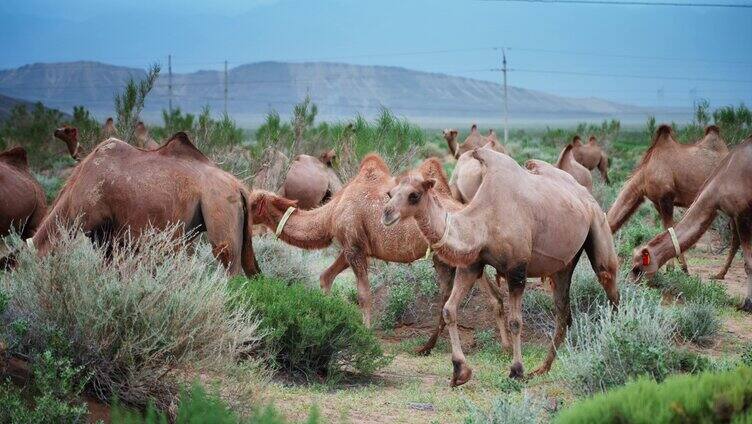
(284, 262)
(609, 347)
(131, 318)
(401, 296)
(698, 322)
(404, 284)
(691, 288)
(636, 233)
(508, 410)
(703, 398)
(307, 333)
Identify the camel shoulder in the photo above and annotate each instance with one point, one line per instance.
(15, 157)
(180, 146)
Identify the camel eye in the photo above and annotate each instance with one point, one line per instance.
(389, 194)
(413, 198)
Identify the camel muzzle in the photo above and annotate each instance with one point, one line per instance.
(389, 217)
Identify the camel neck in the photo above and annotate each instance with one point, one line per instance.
(433, 220)
(629, 199)
(306, 229)
(456, 243)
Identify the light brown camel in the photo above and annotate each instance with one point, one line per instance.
(119, 188)
(473, 141)
(568, 164)
(670, 174)
(729, 190)
(353, 218)
(143, 139)
(108, 129)
(591, 156)
(22, 200)
(311, 181)
(532, 222)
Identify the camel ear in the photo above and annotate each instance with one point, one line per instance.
(428, 184)
(645, 257)
(474, 128)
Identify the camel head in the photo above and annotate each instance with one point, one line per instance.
(450, 134)
(328, 157)
(140, 130)
(69, 135)
(267, 208)
(644, 262)
(576, 141)
(406, 198)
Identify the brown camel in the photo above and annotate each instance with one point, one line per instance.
(22, 204)
(532, 222)
(729, 190)
(352, 217)
(311, 181)
(670, 174)
(69, 136)
(109, 129)
(591, 156)
(143, 139)
(568, 164)
(119, 189)
(473, 141)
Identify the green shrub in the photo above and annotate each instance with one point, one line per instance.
(690, 288)
(404, 282)
(52, 395)
(130, 319)
(284, 262)
(525, 410)
(308, 333)
(608, 348)
(636, 233)
(538, 311)
(51, 185)
(586, 293)
(198, 407)
(747, 355)
(698, 322)
(703, 398)
(32, 129)
(401, 296)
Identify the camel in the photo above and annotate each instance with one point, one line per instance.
(352, 217)
(69, 135)
(473, 141)
(591, 156)
(532, 222)
(670, 174)
(568, 164)
(729, 190)
(108, 129)
(23, 202)
(143, 139)
(311, 181)
(119, 190)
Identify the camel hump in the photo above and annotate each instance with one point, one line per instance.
(15, 157)
(372, 162)
(565, 155)
(712, 129)
(534, 166)
(576, 140)
(432, 168)
(592, 139)
(663, 131)
(179, 145)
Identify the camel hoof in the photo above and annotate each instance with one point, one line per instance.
(516, 371)
(747, 305)
(543, 369)
(461, 373)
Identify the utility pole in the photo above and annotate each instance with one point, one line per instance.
(169, 81)
(506, 108)
(225, 88)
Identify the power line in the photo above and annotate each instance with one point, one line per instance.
(630, 3)
(595, 74)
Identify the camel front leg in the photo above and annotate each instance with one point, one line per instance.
(359, 264)
(666, 209)
(744, 225)
(731, 252)
(516, 281)
(603, 168)
(497, 303)
(562, 282)
(463, 281)
(444, 277)
(327, 277)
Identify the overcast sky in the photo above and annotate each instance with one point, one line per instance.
(650, 55)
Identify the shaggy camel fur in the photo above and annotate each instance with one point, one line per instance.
(591, 156)
(532, 222)
(670, 174)
(729, 190)
(352, 217)
(22, 201)
(311, 181)
(143, 139)
(568, 164)
(120, 190)
(473, 141)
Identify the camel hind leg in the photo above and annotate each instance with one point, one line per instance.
(359, 263)
(744, 225)
(444, 277)
(463, 281)
(327, 277)
(225, 231)
(603, 168)
(733, 248)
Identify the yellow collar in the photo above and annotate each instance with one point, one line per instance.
(675, 241)
(284, 219)
(445, 236)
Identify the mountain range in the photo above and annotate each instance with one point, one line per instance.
(339, 90)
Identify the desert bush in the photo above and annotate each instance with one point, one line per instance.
(132, 318)
(401, 295)
(636, 233)
(51, 184)
(130, 103)
(735, 122)
(284, 262)
(538, 311)
(698, 322)
(703, 398)
(524, 410)
(308, 333)
(586, 294)
(51, 395)
(691, 288)
(609, 347)
(746, 357)
(32, 129)
(404, 282)
(210, 135)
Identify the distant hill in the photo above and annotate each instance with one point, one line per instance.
(8, 103)
(340, 90)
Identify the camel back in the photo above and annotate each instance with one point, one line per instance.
(15, 157)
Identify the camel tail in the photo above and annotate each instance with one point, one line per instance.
(248, 258)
